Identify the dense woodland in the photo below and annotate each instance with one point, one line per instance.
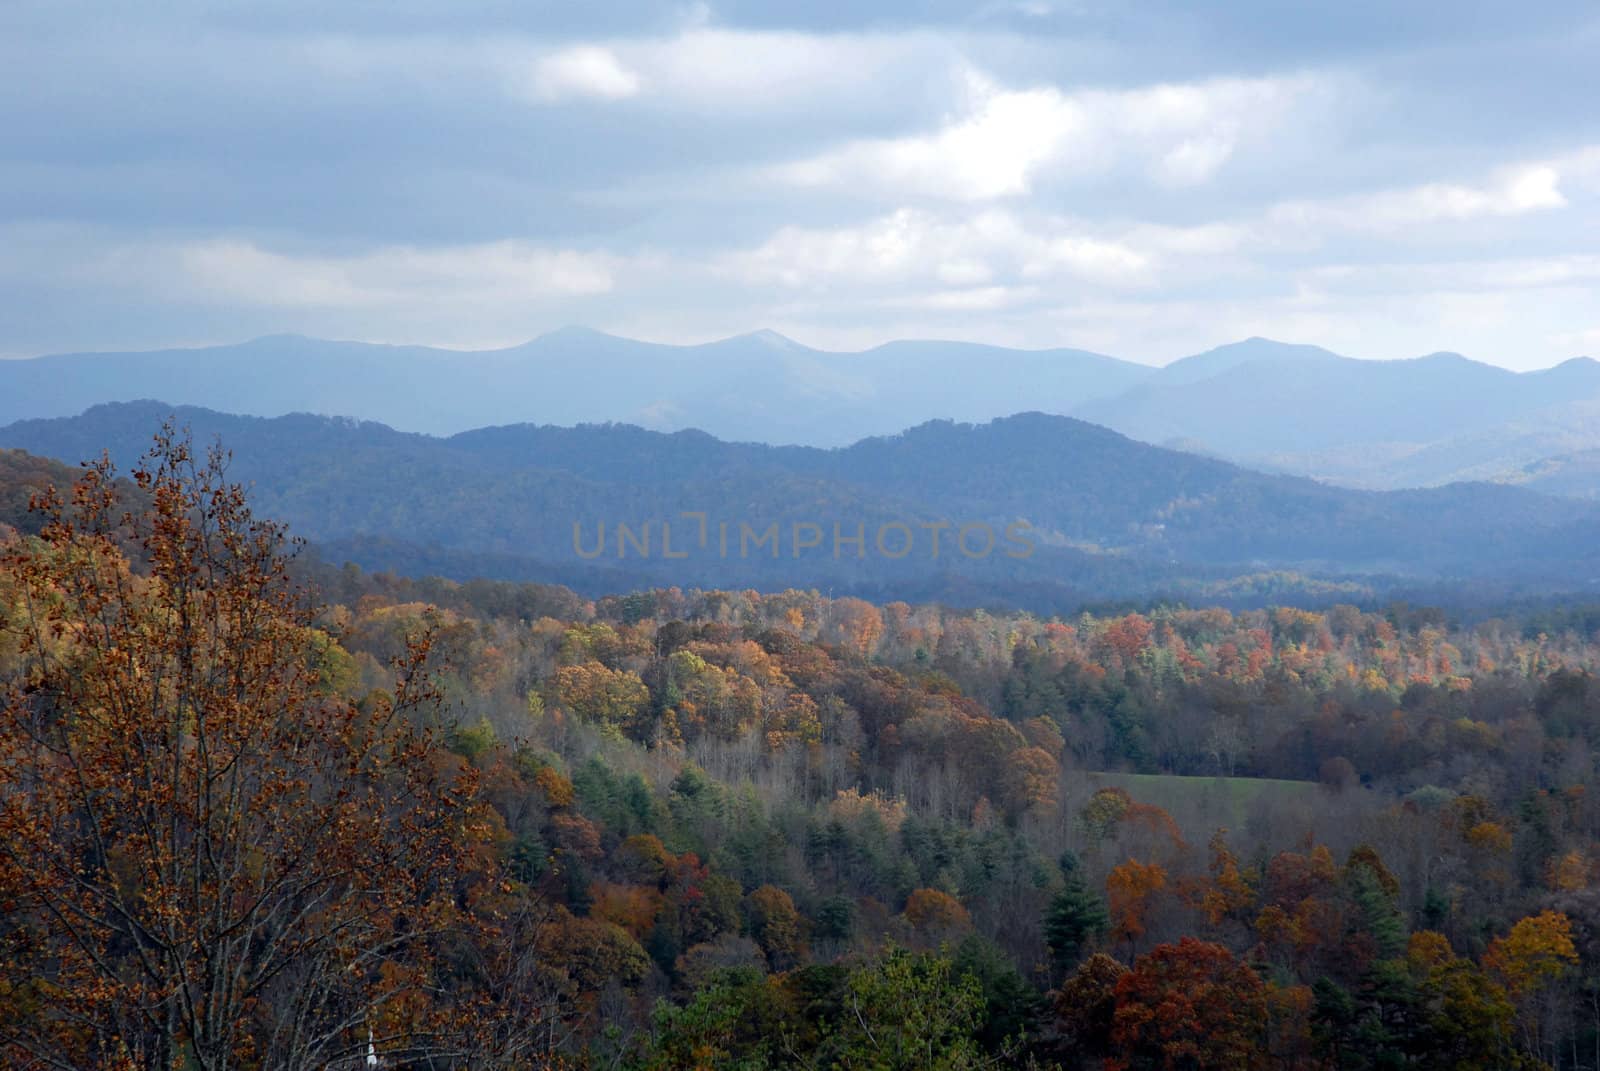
(257, 813)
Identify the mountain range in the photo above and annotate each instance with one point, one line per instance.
(759, 387)
(1098, 514)
(1286, 408)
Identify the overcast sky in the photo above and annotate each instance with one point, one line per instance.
(1386, 179)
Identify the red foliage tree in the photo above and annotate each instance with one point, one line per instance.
(1189, 1006)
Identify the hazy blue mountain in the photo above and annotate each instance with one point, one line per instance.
(1273, 406)
(1575, 475)
(1503, 452)
(1106, 514)
(756, 387)
(1318, 414)
(1214, 362)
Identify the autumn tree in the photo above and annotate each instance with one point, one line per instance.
(1189, 1005)
(615, 700)
(209, 860)
(1086, 1004)
(1535, 957)
(775, 925)
(936, 916)
(1131, 887)
(1228, 893)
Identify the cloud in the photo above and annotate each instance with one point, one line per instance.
(1513, 191)
(910, 246)
(1014, 170)
(582, 71)
(729, 69)
(1580, 339)
(1458, 276)
(697, 68)
(972, 299)
(490, 273)
(1582, 167)
(1005, 140)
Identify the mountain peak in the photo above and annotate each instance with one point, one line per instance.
(1572, 366)
(1257, 347)
(766, 336)
(276, 338)
(1230, 355)
(572, 333)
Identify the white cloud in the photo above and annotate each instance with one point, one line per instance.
(397, 276)
(1513, 191)
(739, 73)
(972, 299)
(1581, 167)
(917, 247)
(1587, 339)
(582, 71)
(1500, 274)
(700, 68)
(1004, 140)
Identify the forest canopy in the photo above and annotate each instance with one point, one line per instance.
(259, 812)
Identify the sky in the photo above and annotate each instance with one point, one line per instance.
(1145, 180)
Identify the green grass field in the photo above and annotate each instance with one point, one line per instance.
(1199, 802)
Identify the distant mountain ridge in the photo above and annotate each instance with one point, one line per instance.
(1103, 515)
(1261, 407)
(1269, 405)
(758, 387)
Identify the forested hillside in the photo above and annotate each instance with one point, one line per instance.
(1053, 512)
(719, 828)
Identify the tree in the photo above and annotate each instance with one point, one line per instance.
(775, 925)
(1532, 959)
(1029, 780)
(1536, 952)
(1010, 1004)
(936, 916)
(1228, 894)
(1074, 916)
(1469, 1021)
(615, 700)
(1130, 887)
(908, 1011)
(1378, 914)
(1189, 1005)
(208, 859)
(735, 1023)
(1086, 1004)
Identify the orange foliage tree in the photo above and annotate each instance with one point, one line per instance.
(207, 859)
(936, 915)
(1537, 951)
(1130, 887)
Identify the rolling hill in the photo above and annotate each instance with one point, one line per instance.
(1105, 516)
